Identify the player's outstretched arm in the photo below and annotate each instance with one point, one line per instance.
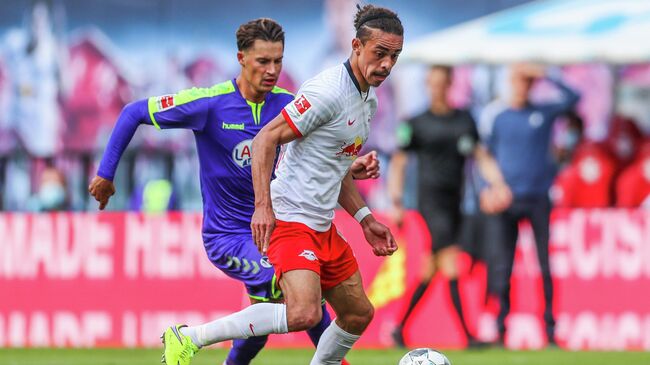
(159, 111)
(378, 235)
(101, 187)
(275, 133)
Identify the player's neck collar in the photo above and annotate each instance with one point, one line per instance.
(348, 67)
(241, 92)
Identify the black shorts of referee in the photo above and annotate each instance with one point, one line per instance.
(440, 209)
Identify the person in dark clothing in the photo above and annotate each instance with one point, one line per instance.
(442, 138)
(518, 134)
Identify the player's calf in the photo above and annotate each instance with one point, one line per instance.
(357, 319)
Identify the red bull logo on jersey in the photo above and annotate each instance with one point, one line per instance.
(165, 102)
(302, 104)
(351, 150)
(242, 153)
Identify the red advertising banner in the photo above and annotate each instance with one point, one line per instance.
(118, 279)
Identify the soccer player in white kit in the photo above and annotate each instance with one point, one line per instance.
(327, 124)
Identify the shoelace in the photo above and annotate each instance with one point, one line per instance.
(187, 353)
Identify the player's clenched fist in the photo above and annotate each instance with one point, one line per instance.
(366, 166)
(101, 189)
(262, 225)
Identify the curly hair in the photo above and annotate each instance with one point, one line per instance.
(374, 17)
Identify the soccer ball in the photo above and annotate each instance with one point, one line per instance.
(424, 357)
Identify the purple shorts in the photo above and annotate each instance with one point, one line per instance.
(238, 257)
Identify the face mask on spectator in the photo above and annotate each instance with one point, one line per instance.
(571, 139)
(51, 196)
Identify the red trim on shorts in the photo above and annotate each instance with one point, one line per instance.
(292, 125)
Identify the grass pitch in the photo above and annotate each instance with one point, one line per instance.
(302, 357)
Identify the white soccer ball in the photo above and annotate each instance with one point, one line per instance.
(424, 357)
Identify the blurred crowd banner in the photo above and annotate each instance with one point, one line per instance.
(118, 279)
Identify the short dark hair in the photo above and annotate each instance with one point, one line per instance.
(375, 17)
(264, 29)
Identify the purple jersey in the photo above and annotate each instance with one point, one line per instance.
(224, 125)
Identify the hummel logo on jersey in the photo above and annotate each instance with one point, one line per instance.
(165, 102)
(350, 122)
(235, 126)
(302, 104)
(309, 255)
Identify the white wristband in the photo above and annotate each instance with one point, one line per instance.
(362, 213)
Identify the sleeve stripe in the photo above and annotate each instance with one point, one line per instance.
(291, 124)
(151, 106)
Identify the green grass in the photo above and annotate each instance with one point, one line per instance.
(301, 357)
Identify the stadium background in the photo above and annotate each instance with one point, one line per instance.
(78, 279)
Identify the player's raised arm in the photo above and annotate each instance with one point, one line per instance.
(277, 132)
(378, 235)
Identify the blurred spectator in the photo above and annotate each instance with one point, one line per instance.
(587, 181)
(569, 139)
(34, 59)
(156, 196)
(51, 194)
(518, 134)
(624, 139)
(442, 138)
(99, 91)
(633, 185)
(7, 140)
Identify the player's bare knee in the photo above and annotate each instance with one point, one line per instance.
(447, 262)
(428, 268)
(449, 270)
(304, 317)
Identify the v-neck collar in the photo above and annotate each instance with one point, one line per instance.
(348, 67)
(234, 83)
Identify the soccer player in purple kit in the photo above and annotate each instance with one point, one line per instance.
(224, 119)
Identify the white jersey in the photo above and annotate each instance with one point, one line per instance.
(332, 117)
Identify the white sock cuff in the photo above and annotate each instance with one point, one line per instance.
(280, 324)
(341, 332)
